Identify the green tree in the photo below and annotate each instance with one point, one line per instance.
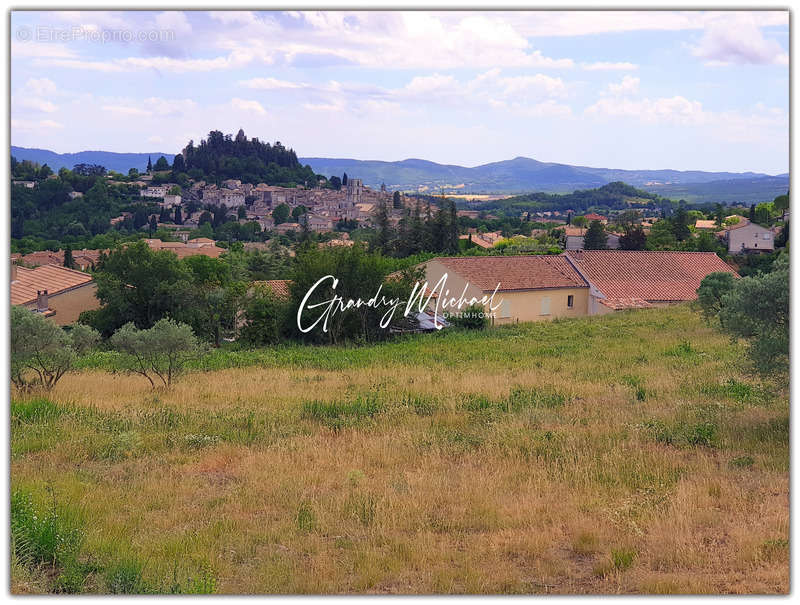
(709, 295)
(580, 221)
(596, 237)
(383, 234)
(297, 211)
(281, 213)
(634, 238)
(680, 224)
(757, 310)
(157, 353)
(161, 164)
(397, 202)
(662, 236)
(265, 317)
(783, 237)
(69, 263)
(41, 352)
(149, 164)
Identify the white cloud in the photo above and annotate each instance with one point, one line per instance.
(410, 39)
(677, 109)
(174, 21)
(155, 139)
(40, 86)
(606, 66)
(528, 94)
(628, 85)
(169, 107)
(36, 126)
(582, 23)
(234, 60)
(270, 84)
(34, 96)
(36, 104)
(245, 105)
(151, 107)
(738, 39)
(126, 111)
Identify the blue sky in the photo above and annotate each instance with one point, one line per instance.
(684, 90)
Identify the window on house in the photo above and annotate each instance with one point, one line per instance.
(505, 308)
(766, 236)
(570, 301)
(545, 306)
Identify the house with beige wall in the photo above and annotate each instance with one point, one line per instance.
(573, 284)
(54, 291)
(521, 288)
(749, 238)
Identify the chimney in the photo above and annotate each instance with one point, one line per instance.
(42, 304)
(13, 271)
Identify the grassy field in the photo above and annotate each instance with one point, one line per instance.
(623, 454)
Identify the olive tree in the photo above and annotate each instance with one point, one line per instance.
(756, 309)
(709, 295)
(159, 353)
(41, 351)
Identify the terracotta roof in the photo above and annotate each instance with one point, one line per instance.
(701, 224)
(650, 276)
(201, 240)
(52, 278)
(279, 287)
(212, 251)
(532, 272)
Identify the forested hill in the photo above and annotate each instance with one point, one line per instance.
(222, 156)
(617, 195)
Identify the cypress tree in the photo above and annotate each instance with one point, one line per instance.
(69, 263)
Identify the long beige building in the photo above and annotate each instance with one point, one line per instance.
(574, 284)
(525, 288)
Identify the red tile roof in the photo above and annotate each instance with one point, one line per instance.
(650, 276)
(279, 287)
(52, 278)
(533, 272)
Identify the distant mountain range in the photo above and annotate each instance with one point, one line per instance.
(509, 176)
(525, 174)
(118, 162)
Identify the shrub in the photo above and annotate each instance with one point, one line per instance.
(34, 410)
(473, 317)
(709, 295)
(50, 537)
(265, 316)
(622, 558)
(756, 309)
(42, 352)
(160, 352)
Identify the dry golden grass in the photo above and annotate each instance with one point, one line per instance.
(636, 481)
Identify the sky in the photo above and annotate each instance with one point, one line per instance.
(633, 89)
